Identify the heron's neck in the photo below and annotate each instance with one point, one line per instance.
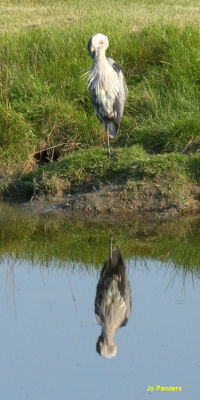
(108, 333)
(100, 57)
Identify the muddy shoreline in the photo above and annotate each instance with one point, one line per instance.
(113, 201)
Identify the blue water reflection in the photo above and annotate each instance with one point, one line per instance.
(48, 334)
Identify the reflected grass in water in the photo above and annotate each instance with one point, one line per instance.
(54, 238)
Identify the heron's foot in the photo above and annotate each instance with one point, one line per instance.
(109, 154)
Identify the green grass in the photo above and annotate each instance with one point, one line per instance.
(174, 173)
(44, 100)
(164, 105)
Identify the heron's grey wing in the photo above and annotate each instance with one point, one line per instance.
(128, 301)
(120, 74)
(101, 287)
(120, 100)
(124, 286)
(99, 110)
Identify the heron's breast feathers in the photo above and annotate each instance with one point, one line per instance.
(104, 84)
(112, 307)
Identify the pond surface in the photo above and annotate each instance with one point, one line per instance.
(49, 269)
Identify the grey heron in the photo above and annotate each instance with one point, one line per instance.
(107, 87)
(112, 302)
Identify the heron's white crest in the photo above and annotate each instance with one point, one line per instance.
(99, 40)
(108, 351)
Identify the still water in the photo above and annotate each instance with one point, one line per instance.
(49, 270)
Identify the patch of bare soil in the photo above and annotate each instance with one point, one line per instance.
(114, 199)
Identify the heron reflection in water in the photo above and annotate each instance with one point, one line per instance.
(112, 302)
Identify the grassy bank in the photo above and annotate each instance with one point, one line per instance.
(130, 165)
(45, 111)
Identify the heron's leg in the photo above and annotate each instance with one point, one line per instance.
(111, 246)
(108, 137)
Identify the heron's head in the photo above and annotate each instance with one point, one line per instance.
(98, 41)
(104, 349)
